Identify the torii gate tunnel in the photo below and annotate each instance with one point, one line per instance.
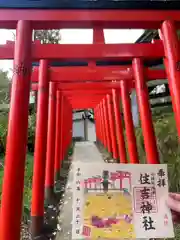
(62, 89)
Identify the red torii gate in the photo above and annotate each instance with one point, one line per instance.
(72, 74)
(94, 73)
(56, 153)
(89, 92)
(25, 51)
(88, 85)
(98, 51)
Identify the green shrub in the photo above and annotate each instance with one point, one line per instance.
(29, 160)
(169, 151)
(31, 132)
(3, 131)
(28, 179)
(168, 147)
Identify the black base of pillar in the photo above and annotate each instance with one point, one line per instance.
(39, 230)
(57, 176)
(116, 160)
(98, 142)
(42, 237)
(50, 196)
(37, 223)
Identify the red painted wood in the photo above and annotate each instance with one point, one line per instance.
(112, 126)
(102, 123)
(172, 64)
(58, 19)
(13, 182)
(128, 121)
(50, 153)
(89, 51)
(57, 166)
(37, 207)
(61, 127)
(119, 127)
(100, 73)
(79, 106)
(145, 113)
(96, 122)
(108, 133)
(83, 87)
(86, 92)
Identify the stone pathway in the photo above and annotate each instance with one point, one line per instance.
(85, 152)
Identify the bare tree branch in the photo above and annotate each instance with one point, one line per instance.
(47, 36)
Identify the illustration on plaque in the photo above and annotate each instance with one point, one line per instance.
(121, 202)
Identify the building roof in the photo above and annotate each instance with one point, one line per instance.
(89, 4)
(147, 36)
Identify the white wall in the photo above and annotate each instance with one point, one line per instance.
(91, 132)
(77, 115)
(78, 128)
(134, 108)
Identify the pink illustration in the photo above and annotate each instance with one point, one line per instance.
(115, 181)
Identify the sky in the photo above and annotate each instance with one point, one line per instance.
(111, 35)
(70, 36)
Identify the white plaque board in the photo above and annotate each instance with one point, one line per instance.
(116, 201)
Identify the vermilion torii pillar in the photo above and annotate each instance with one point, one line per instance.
(172, 64)
(145, 112)
(58, 134)
(70, 125)
(129, 126)
(103, 124)
(13, 182)
(112, 127)
(109, 143)
(119, 127)
(37, 207)
(66, 128)
(100, 125)
(97, 123)
(102, 104)
(50, 153)
(62, 129)
(69, 132)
